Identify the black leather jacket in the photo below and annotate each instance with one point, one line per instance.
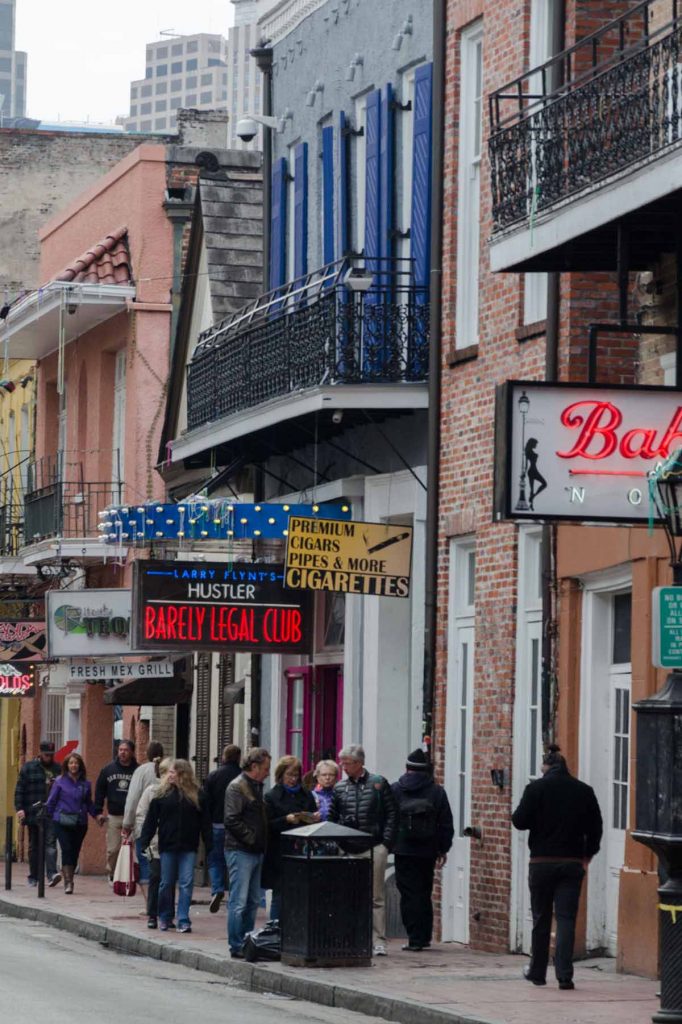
(366, 803)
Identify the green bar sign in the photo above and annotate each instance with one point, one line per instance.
(666, 631)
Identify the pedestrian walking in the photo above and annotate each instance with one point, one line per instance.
(179, 814)
(113, 783)
(151, 853)
(288, 804)
(565, 826)
(214, 790)
(246, 838)
(68, 805)
(145, 775)
(30, 794)
(326, 776)
(425, 834)
(366, 802)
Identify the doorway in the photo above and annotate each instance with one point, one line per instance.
(314, 712)
(458, 735)
(605, 754)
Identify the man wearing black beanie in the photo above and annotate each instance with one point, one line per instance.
(425, 833)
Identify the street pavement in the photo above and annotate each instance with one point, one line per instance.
(67, 980)
(449, 984)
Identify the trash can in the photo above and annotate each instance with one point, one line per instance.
(326, 897)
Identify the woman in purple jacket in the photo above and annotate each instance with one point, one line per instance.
(69, 803)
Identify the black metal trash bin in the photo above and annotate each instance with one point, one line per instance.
(326, 898)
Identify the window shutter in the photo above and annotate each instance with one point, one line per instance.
(344, 179)
(301, 210)
(203, 713)
(386, 154)
(373, 180)
(328, 194)
(278, 219)
(226, 666)
(420, 226)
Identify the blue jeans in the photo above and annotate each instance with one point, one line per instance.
(216, 860)
(176, 868)
(143, 861)
(244, 869)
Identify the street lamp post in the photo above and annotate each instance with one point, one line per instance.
(524, 405)
(658, 799)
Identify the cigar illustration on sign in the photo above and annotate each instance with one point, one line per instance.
(385, 543)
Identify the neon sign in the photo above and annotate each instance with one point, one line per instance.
(581, 452)
(17, 681)
(220, 606)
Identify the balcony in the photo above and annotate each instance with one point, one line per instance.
(588, 144)
(61, 511)
(326, 341)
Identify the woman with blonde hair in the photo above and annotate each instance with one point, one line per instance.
(179, 814)
(152, 851)
(288, 804)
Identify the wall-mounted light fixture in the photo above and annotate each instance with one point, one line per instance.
(406, 30)
(312, 95)
(357, 62)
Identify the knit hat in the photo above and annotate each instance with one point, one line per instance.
(418, 761)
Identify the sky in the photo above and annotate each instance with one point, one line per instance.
(83, 54)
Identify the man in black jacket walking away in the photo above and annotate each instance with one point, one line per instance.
(112, 786)
(425, 833)
(565, 824)
(366, 802)
(214, 791)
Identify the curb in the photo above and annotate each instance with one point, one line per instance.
(250, 977)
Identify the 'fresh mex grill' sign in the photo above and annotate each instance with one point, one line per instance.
(218, 606)
(581, 452)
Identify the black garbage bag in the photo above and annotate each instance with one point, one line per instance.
(263, 944)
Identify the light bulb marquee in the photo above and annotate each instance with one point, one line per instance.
(204, 519)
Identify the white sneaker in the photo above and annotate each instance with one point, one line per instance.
(379, 949)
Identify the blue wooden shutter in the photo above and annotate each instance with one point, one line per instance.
(278, 224)
(328, 194)
(301, 209)
(344, 181)
(420, 226)
(387, 183)
(373, 180)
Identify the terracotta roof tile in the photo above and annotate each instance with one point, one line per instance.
(107, 262)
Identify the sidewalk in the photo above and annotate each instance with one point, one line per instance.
(448, 984)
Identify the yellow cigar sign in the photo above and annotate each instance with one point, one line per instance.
(351, 557)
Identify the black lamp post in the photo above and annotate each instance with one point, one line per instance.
(658, 800)
(524, 405)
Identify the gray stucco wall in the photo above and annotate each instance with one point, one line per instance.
(321, 48)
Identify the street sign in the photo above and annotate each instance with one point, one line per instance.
(350, 557)
(101, 670)
(666, 630)
(218, 606)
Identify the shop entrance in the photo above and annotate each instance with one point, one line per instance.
(314, 712)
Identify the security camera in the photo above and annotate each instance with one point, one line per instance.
(247, 129)
(337, 416)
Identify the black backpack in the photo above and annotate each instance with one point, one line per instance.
(417, 819)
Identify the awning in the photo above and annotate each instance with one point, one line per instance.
(154, 692)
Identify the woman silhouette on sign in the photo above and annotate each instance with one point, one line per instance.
(534, 475)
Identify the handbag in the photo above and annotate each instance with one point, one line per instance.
(70, 819)
(126, 871)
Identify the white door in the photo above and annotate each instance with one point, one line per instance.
(605, 715)
(458, 738)
(527, 720)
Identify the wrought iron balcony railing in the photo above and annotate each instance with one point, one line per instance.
(59, 502)
(611, 101)
(315, 331)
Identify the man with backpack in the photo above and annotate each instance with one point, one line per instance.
(365, 801)
(425, 833)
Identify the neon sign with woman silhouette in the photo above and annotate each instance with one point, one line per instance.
(534, 475)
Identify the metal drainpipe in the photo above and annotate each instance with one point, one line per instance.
(548, 531)
(263, 57)
(433, 435)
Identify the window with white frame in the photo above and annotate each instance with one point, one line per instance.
(405, 160)
(469, 201)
